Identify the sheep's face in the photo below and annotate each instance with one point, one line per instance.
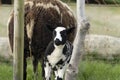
(59, 35)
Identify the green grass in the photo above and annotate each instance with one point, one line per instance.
(98, 70)
(30, 71)
(6, 71)
(88, 70)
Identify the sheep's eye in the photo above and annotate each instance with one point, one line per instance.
(63, 32)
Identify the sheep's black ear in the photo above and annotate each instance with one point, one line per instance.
(70, 30)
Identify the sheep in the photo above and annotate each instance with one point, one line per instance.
(57, 54)
(41, 18)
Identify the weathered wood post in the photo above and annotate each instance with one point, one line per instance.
(18, 39)
(82, 28)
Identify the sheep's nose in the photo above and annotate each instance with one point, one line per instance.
(57, 42)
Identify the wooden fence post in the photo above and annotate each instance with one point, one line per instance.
(18, 39)
(78, 50)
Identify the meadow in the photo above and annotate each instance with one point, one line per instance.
(88, 70)
(104, 19)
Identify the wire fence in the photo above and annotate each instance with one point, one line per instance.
(102, 2)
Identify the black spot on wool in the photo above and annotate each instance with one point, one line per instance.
(59, 78)
(64, 36)
(60, 62)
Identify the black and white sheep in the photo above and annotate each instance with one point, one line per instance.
(41, 16)
(57, 54)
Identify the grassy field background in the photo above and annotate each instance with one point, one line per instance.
(104, 19)
(88, 70)
(4, 13)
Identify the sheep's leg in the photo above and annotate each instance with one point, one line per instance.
(56, 74)
(35, 67)
(61, 72)
(24, 69)
(47, 69)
